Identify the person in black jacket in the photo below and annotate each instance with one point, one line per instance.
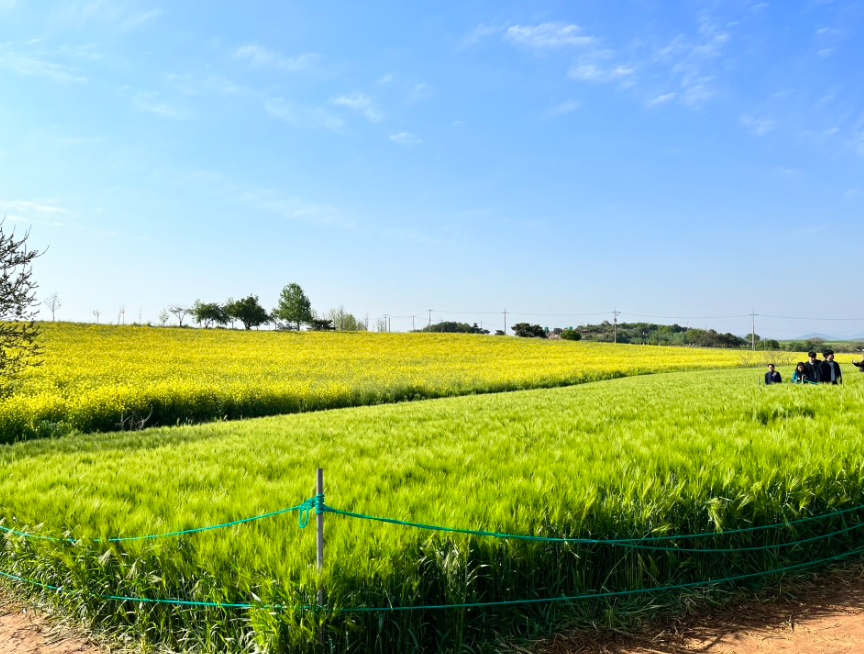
(859, 364)
(772, 376)
(812, 367)
(829, 369)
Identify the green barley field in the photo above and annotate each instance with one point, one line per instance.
(632, 458)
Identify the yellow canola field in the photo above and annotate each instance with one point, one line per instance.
(101, 378)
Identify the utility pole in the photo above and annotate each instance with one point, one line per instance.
(615, 314)
(430, 318)
(413, 327)
(505, 322)
(753, 329)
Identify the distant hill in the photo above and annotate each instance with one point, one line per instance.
(831, 337)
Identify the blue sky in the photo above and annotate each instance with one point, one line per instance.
(665, 158)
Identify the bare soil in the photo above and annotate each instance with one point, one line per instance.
(821, 615)
(23, 631)
(824, 615)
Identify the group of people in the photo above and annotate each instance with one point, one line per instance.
(814, 371)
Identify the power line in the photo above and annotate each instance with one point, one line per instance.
(626, 314)
(820, 319)
(645, 315)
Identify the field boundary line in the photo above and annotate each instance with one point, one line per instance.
(464, 605)
(304, 508)
(610, 541)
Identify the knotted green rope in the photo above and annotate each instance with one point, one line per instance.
(303, 508)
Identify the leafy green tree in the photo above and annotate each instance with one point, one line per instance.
(571, 334)
(18, 330)
(209, 313)
(248, 311)
(526, 330)
(449, 327)
(293, 306)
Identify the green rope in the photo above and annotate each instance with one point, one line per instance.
(303, 518)
(465, 605)
(595, 541)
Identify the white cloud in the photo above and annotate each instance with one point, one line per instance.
(561, 109)
(362, 104)
(412, 236)
(272, 201)
(547, 35)
(663, 98)
(303, 116)
(151, 103)
(386, 78)
(405, 138)
(261, 57)
(481, 32)
(32, 206)
(697, 92)
(594, 73)
(825, 52)
(758, 126)
(122, 15)
(31, 65)
(207, 85)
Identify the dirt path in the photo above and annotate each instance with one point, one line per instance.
(826, 617)
(24, 632)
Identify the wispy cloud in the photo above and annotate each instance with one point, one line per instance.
(548, 36)
(361, 104)
(690, 62)
(561, 109)
(663, 98)
(150, 102)
(36, 64)
(481, 32)
(303, 116)
(261, 57)
(32, 207)
(758, 126)
(807, 230)
(413, 236)
(209, 84)
(271, 201)
(122, 15)
(589, 72)
(405, 138)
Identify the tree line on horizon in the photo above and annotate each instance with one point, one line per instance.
(293, 310)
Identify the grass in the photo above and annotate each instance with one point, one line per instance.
(663, 454)
(104, 378)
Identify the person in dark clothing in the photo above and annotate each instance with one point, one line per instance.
(812, 367)
(859, 364)
(772, 376)
(829, 369)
